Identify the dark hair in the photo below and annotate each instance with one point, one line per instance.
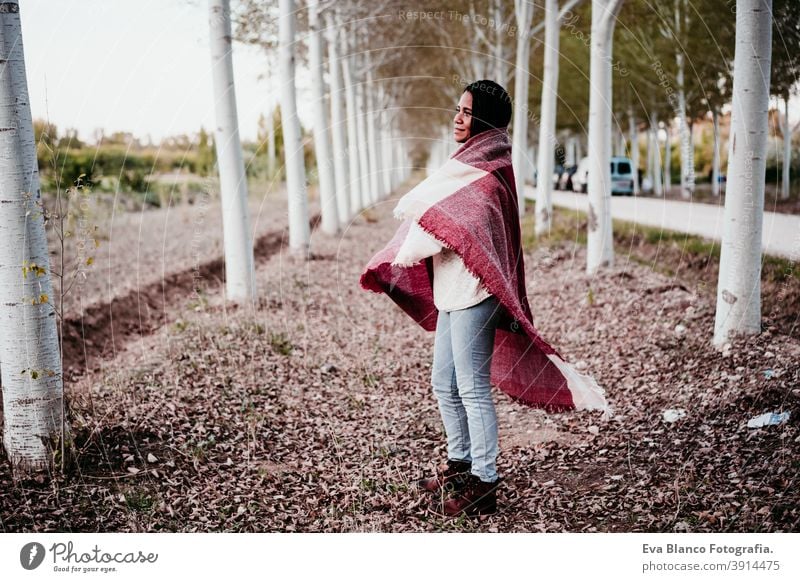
(491, 106)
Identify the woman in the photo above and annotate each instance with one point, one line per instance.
(455, 265)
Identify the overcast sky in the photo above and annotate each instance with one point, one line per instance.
(142, 66)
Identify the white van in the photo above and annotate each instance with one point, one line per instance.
(621, 176)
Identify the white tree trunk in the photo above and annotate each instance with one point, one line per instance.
(322, 149)
(655, 148)
(271, 156)
(648, 156)
(299, 230)
(547, 123)
(687, 159)
(476, 55)
(600, 244)
(375, 186)
(240, 280)
(716, 156)
(530, 164)
(407, 162)
(739, 287)
(668, 159)
(395, 152)
(401, 159)
(357, 197)
(787, 151)
(498, 46)
(30, 361)
(385, 126)
(337, 122)
(363, 155)
(634, 137)
(519, 145)
(391, 157)
(571, 152)
(692, 175)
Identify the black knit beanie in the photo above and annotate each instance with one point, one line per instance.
(491, 106)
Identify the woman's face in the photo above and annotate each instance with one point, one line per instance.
(462, 122)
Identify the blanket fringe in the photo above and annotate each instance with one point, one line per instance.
(587, 394)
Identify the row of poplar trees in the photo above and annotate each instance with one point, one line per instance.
(384, 81)
(360, 157)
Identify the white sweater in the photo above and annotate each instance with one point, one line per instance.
(454, 287)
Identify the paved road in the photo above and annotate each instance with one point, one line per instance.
(781, 232)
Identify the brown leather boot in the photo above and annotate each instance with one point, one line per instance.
(450, 479)
(476, 499)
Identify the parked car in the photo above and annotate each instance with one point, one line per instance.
(621, 176)
(565, 180)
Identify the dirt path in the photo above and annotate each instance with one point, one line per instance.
(314, 413)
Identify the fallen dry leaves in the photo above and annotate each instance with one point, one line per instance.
(313, 412)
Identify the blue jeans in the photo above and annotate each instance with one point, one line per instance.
(462, 359)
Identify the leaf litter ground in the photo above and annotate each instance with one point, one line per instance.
(313, 411)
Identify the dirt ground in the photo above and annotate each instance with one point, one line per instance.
(312, 411)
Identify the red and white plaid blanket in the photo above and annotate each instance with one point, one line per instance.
(470, 205)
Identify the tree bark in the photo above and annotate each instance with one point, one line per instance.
(600, 244)
(547, 123)
(524, 14)
(363, 155)
(692, 175)
(34, 426)
(322, 149)
(271, 155)
(398, 159)
(299, 231)
(634, 137)
(338, 133)
(571, 158)
(357, 196)
(687, 159)
(373, 154)
(498, 46)
(240, 279)
(787, 150)
(668, 159)
(384, 144)
(655, 148)
(739, 287)
(648, 156)
(716, 156)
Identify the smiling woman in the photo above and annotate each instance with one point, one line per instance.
(463, 120)
(455, 265)
(484, 105)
